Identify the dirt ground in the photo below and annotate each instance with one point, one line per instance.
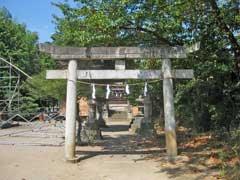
(36, 152)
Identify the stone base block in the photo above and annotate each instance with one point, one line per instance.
(141, 127)
(89, 136)
(101, 123)
(90, 132)
(135, 124)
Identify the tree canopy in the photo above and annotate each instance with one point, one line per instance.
(202, 102)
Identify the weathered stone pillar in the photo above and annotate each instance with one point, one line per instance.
(129, 113)
(147, 109)
(99, 114)
(97, 110)
(90, 129)
(105, 110)
(92, 112)
(147, 126)
(71, 110)
(169, 118)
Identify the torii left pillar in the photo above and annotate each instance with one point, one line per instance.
(71, 110)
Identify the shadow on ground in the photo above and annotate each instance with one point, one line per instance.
(194, 158)
(115, 128)
(191, 159)
(121, 142)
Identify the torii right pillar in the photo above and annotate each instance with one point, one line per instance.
(169, 118)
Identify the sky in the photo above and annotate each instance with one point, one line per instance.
(35, 14)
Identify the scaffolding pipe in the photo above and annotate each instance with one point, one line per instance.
(16, 67)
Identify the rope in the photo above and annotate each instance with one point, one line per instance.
(116, 85)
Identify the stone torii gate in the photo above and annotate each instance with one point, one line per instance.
(74, 54)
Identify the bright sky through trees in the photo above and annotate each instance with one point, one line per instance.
(37, 15)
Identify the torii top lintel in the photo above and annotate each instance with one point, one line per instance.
(114, 53)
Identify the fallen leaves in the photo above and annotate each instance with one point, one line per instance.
(233, 161)
(213, 162)
(198, 141)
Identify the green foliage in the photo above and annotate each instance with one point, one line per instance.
(28, 105)
(230, 155)
(211, 99)
(40, 87)
(115, 23)
(20, 46)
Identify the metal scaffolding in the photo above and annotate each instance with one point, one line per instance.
(9, 88)
(11, 99)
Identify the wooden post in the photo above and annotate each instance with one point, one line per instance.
(170, 125)
(71, 110)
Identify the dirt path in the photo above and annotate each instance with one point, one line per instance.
(120, 156)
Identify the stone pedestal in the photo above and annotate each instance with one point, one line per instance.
(90, 128)
(142, 123)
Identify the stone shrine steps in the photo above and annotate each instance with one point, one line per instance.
(118, 116)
